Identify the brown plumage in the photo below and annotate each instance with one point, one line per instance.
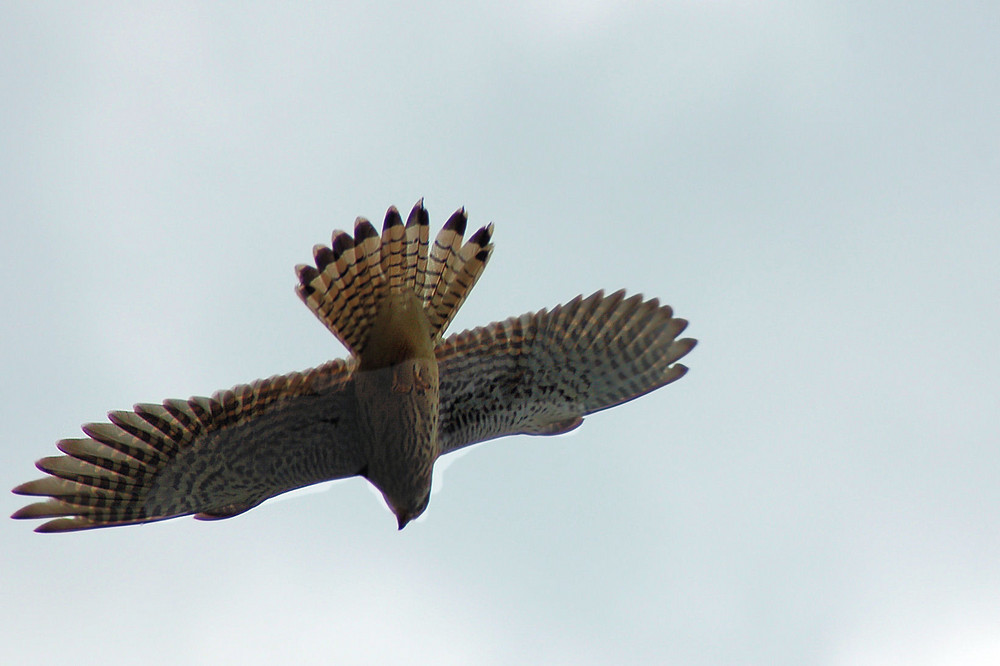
(404, 397)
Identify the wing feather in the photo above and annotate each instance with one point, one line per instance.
(541, 373)
(213, 457)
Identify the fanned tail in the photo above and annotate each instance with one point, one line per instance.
(354, 275)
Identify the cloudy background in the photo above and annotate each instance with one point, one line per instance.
(815, 185)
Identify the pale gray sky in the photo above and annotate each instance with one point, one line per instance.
(815, 185)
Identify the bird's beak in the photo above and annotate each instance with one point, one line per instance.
(402, 519)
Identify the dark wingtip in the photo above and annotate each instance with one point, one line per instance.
(677, 326)
(60, 525)
(22, 489)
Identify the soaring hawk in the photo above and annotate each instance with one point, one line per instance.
(404, 397)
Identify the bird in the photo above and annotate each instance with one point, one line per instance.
(405, 396)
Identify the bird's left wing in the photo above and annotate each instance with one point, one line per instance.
(213, 457)
(541, 373)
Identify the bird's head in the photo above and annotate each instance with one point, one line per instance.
(407, 512)
(405, 493)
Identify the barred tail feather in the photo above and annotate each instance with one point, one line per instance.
(353, 276)
(453, 269)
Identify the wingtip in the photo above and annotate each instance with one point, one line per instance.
(50, 508)
(45, 528)
(30, 488)
(60, 525)
(677, 326)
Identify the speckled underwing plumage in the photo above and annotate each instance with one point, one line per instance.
(201, 456)
(404, 397)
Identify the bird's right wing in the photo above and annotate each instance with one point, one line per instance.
(213, 457)
(541, 373)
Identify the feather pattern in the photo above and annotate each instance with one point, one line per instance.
(208, 456)
(541, 373)
(405, 397)
(353, 277)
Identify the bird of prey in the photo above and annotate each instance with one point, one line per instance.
(404, 397)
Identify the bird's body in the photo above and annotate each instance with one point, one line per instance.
(397, 390)
(405, 396)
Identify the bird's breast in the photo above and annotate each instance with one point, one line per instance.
(396, 383)
(398, 421)
(398, 408)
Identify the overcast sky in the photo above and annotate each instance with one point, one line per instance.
(814, 185)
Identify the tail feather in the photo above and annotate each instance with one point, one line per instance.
(417, 242)
(393, 246)
(444, 253)
(473, 258)
(352, 277)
